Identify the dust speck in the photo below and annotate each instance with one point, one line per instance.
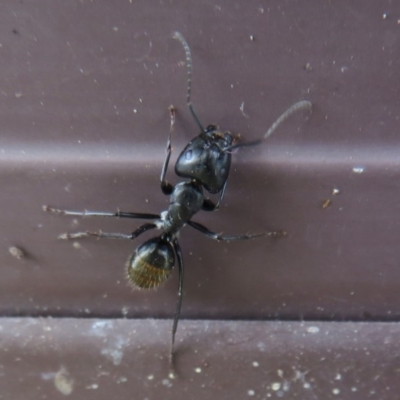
(313, 329)
(16, 252)
(64, 382)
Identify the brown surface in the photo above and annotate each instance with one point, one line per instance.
(84, 96)
(117, 359)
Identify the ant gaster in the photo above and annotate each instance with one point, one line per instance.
(205, 162)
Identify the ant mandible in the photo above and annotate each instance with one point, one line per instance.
(152, 262)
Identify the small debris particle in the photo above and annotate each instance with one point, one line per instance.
(252, 38)
(255, 364)
(306, 385)
(242, 110)
(94, 386)
(384, 16)
(166, 382)
(308, 67)
(16, 252)
(335, 191)
(276, 386)
(197, 370)
(358, 170)
(326, 203)
(63, 382)
(150, 377)
(251, 392)
(336, 391)
(313, 329)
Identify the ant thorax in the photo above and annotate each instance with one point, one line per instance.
(186, 200)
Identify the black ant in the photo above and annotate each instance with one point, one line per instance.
(205, 162)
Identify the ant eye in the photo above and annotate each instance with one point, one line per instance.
(189, 154)
(210, 128)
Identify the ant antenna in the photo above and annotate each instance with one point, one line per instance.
(178, 35)
(301, 105)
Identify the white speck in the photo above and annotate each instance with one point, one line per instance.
(94, 386)
(251, 392)
(242, 110)
(306, 385)
(336, 391)
(166, 382)
(232, 86)
(122, 379)
(354, 389)
(344, 68)
(124, 311)
(276, 386)
(150, 377)
(197, 370)
(16, 252)
(134, 110)
(335, 191)
(358, 170)
(286, 386)
(115, 28)
(99, 328)
(252, 38)
(384, 16)
(18, 95)
(255, 364)
(115, 351)
(338, 377)
(280, 373)
(313, 329)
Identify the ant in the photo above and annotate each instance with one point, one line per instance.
(205, 162)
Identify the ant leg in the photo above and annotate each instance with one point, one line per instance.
(166, 187)
(301, 105)
(78, 235)
(208, 205)
(221, 195)
(186, 48)
(118, 214)
(178, 252)
(217, 236)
